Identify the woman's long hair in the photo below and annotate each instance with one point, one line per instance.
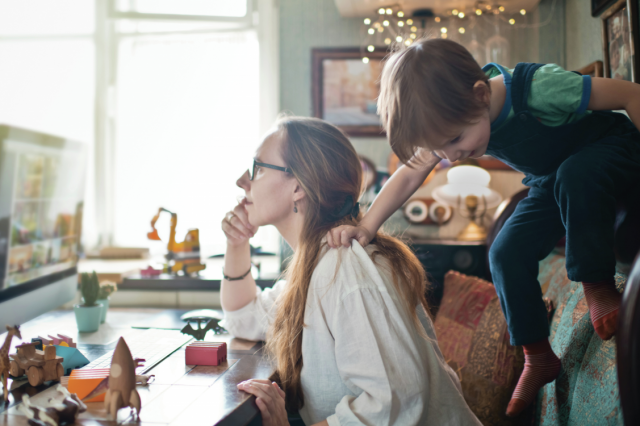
(328, 169)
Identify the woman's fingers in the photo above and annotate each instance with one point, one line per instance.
(240, 212)
(330, 240)
(346, 236)
(233, 230)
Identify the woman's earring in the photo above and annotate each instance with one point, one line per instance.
(295, 208)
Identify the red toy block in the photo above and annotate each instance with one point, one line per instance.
(205, 353)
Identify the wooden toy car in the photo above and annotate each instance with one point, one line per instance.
(40, 366)
(205, 353)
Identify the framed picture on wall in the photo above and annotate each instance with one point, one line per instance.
(599, 6)
(594, 69)
(345, 88)
(620, 41)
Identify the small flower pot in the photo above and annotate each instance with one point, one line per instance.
(88, 317)
(105, 308)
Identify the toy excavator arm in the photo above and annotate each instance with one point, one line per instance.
(153, 234)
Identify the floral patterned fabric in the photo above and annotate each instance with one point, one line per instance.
(473, 337)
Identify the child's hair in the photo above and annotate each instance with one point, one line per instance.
(328, 169)
(427, 93)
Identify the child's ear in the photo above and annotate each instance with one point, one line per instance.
(482, 91)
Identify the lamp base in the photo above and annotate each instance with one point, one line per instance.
(473, 232)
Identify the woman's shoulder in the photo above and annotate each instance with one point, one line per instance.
(346, 269)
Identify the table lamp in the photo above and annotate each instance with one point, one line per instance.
(471, 185)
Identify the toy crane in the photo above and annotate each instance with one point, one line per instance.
(184, 256)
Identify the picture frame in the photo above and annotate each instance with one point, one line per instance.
(345, 88)
(620, 41)
(599, 6)
(594, 69)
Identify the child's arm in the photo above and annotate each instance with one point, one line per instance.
(607, 94)
(402, 184)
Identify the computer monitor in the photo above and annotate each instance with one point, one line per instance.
(42, 183)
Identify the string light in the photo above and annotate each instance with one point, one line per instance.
(370, 48)
(437, 19)
(389, 11)
(443, 35)
(478, 12)
(367, 21)
(385, 23)
(413, 36)
(461, 30)
(443, 30)
(381, 11)
(488, 7)
(400, 14)
(512, 21)
(400, 24)
(407, 42)
(414, 29)
(523, 12)
(365, 60)
(398, 39)
(409, 21)
(380, 29)
(461, 15)
(501, 8)
(455, 11)
(371, 31)
(387, 40)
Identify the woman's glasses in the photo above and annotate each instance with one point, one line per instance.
(252, 169)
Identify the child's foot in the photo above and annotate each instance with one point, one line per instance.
(604, 303)
(541, 366)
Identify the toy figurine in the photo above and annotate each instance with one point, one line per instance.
(60, 412)
(199, 333)
(184, 256)
(4, 358)
(40, 366)
(122, 382)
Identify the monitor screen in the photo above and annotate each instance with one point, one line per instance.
(42, 182)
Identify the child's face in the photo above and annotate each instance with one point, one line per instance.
(471, 141)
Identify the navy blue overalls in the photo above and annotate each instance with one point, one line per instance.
(576, 172)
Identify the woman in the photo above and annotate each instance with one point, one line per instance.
(348, 331)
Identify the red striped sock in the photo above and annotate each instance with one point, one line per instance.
(604, 302)
(541, 366)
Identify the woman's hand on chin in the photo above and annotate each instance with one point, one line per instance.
(236, 226)
(269, 399)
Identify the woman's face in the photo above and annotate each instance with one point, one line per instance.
(270, 195)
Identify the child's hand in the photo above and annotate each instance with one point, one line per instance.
(236, 226)
(342, 235)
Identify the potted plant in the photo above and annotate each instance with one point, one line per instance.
(106, 288)
(88, 313)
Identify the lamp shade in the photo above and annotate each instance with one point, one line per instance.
(467, 180)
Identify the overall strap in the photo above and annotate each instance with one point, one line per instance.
(522, 78)
(506, 108)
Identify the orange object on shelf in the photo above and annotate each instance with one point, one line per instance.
(83, 382)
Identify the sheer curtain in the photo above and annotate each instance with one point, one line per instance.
(187, 121)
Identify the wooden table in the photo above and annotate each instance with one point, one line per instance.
(180, 394)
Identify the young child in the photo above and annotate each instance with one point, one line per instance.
(550, 124)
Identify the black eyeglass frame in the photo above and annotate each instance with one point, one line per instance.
(252, 170)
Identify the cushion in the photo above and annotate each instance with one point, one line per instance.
(473, 337)
(586, 392)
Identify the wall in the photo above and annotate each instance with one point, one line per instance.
(584, 34)
(317, 23)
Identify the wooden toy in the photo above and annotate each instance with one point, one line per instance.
(40, 366)
(150, 272)
(122, 382)
(84, 382)
(184, 256)
(4, 358)
(60, 411)
(72, 358)
(205, 353)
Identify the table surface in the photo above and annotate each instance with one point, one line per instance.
(181, 394)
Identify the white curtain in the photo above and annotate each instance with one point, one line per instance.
(187, 123)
